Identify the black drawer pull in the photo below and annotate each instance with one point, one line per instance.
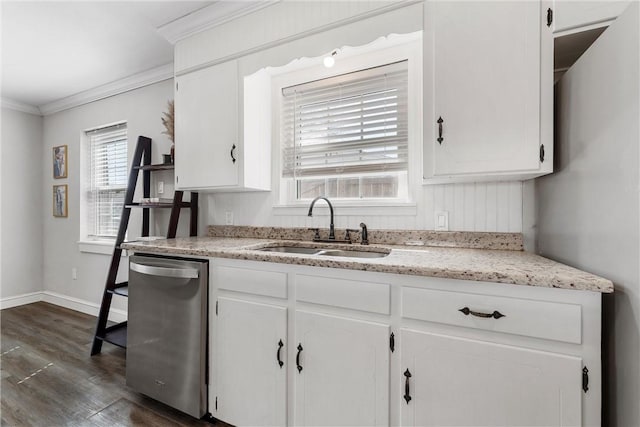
(496, 314)
(298, 358)
(280, 345)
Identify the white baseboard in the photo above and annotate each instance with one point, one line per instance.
(82, 306)
(61, 300)
(18, 300)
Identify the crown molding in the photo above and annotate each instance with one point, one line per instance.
(136, 81)
(20, 106)
(209, 17)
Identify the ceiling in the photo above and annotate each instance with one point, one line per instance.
(52, 50)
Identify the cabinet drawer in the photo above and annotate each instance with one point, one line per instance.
(258, 282)
(364, 296)
(539, 319)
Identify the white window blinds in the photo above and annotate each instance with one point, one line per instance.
(108, 179)
(354, 123)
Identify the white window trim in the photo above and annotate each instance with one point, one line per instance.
(103, 247)
(351, 208)
(385, 50)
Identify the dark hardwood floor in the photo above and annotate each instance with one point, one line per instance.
(49, 378)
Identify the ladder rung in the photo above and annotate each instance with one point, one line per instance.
(116, 334)
(120, 289)
(149, 205)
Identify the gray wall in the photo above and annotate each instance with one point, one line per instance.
(588, 212)
(22, 203)
(141, 109)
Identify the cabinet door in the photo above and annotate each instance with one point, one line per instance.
(345, 371)
(250, 381)
(485, 63)
(455, 381)
(206, 127)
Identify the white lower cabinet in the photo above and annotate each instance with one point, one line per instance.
(450, 381)
(342, 371)
(463, 353)
(251, 363)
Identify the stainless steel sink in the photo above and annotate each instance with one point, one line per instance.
(324, 251)
(353, 253)
(292, 250)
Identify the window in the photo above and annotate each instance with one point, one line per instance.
(346, 136)
(106, 180)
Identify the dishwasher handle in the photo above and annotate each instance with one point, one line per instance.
(178, 273)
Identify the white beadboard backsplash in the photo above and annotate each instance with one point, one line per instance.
(493, 207)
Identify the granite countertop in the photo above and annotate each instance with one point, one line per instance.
(491, 265)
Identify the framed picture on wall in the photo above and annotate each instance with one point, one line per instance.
(60, 161)
(60, 200)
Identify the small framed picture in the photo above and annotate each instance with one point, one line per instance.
(60, 200)
(60, 161)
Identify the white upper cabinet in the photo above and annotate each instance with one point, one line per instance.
(487, 91)
(206, 127)
(210, 151)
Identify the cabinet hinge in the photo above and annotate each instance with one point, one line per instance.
(585, 379)
(542, 153)
(216, 403)
(549, 17)
(392, 342)
(216, 307)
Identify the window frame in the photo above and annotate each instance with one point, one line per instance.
(89, 242)
(393, 48)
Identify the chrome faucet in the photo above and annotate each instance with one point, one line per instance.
(332, 231)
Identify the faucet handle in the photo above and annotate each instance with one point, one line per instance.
(347, 235)
(364, 234)
(317, 234)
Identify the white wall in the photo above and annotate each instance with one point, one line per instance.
(588, 212)
(141, 109)
(22, 203)
(471, 207)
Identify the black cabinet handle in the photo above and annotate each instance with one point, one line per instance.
(496, 314)
(298, 358)
(585, 379)
(280, 345)
(392, 342)
(549, 17)
(440, 138)
(233, 159)
(407, 392)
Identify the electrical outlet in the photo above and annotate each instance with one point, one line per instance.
(228, 218)
(442, 221)
(74, 273)
(160, 187)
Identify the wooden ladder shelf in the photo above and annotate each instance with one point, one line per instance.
(117, 334)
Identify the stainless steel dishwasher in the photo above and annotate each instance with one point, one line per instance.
(167, 331)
